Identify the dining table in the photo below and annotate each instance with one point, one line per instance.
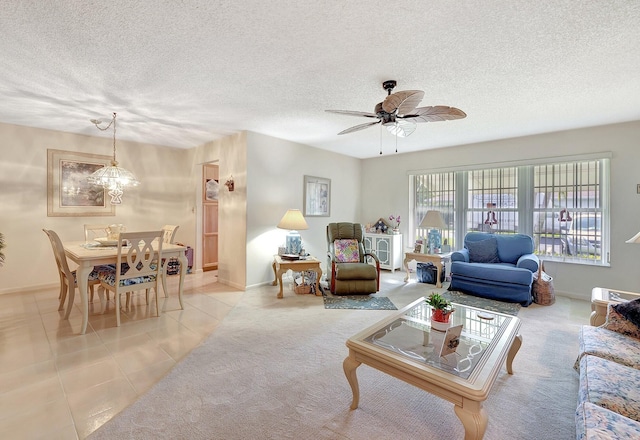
(87, 255)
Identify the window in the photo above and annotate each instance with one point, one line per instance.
(568, 210)
(493, 200)
(435, 192)
(561, 205)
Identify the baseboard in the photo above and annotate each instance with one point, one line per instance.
(30, 289)
(231, 284)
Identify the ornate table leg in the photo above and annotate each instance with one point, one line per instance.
(318, 276)
(279, 277)
(473, 417)
(438, 272)
(515, 346)
(182, 258)
(349, 366)
(406, 269)
(82, 279)
(275, 274)
(165, 263)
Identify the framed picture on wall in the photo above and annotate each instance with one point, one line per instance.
(317, 197)
(68, 192)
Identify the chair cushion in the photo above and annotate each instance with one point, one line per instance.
(484, 251)
(617, 322)
(93, 275)
(346, 251)
(355, 271)
(594, 422)
(512, 246)
(629, 310)
(596, 378)
(607, 344)
(492, 273)
(108, 275)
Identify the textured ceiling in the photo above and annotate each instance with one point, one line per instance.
(182, 73)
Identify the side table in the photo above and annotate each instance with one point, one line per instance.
(601, 297)
(436, 259)
(281, 265)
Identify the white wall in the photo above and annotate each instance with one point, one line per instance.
(385, 191)
(164, 197)
(275, 176)
(269, 180)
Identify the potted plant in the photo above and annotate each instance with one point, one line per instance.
(396, 223)
(442, 310)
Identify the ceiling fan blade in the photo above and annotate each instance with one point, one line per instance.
(358, 127)
(402, 128)
(404, 102)
(353, 113)
(435, 114)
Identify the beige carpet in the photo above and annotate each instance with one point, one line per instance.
(273, 370)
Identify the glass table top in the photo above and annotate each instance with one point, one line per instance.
(410, 336)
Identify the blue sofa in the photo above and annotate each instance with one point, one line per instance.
(495, 266)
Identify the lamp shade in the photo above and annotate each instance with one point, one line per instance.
(433, 219)
(293, 221)
(635, 239)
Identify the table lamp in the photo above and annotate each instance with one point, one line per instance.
(635, 239)
(433, 220)
(293, 221)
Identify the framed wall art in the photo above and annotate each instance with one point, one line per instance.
(317, 196)
(68, 192)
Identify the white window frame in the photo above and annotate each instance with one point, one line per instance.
(525, 201)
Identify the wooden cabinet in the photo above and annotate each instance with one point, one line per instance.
(210, 188)
(387, 247)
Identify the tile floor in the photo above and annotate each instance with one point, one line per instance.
(58, 384)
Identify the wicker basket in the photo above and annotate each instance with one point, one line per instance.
(542, 289)
(303, 288)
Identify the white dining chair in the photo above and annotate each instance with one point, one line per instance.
(68, 281)
(92, 231)
(136, 267)
(169, 233)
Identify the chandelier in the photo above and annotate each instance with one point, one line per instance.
(113, 177)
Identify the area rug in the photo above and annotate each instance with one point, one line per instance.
(273, 370)
(482, 303)
(359, 302)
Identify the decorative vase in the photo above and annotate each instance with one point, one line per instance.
(396, 231)
(440, 320)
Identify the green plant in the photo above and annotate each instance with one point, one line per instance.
(439, 302)
(1, 247)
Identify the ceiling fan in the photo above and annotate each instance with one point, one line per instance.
(399, 112)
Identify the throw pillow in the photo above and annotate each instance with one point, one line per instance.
(484, 251)
(346, 251)
(630, 310)
(618, 322)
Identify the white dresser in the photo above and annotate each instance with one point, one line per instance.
(387, 247)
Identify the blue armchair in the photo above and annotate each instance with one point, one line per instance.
(495, 266)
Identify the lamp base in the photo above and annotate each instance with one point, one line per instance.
(293, 243)
(434, 240)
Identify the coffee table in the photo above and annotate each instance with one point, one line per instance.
(406, 347)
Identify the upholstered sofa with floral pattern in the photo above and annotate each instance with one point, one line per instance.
(609, 368)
